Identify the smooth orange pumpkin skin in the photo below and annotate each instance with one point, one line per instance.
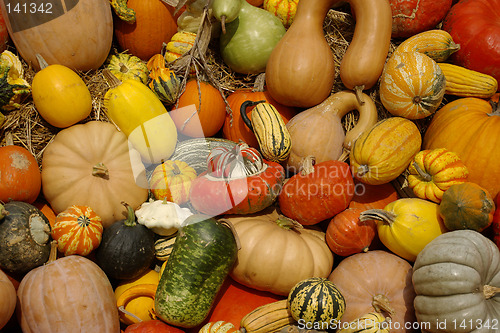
(234, 128)
(45, 208)
(8, 297)
(20, 177)
(368, 196)
(346, 234)
(154, 24)
(211, 110)
(469, 127)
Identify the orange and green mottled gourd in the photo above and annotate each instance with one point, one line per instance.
(77, 230)
(283, 9)
(171, 180)
(433, 171)
(412, 85)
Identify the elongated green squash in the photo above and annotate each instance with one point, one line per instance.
(203, 254)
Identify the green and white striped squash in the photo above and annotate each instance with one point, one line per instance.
(371, 322)
(163, 247)
(275, 141)
(316, 301)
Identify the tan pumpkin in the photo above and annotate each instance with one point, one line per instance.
(297, 253)
(412, 85)
(70, 294)
(91, 165)
(376, 281)
(383, 152)
(469, 127)
(318, 131)
(77, 35)
(8, 297)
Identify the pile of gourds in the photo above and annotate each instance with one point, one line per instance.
(196, 209)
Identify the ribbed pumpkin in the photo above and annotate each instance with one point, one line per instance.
(9, 300)
(171, 180)
(154, 24)
(412, 85)
(346, 234)
(469, 127)
(383, 152)
(316, 300)
(234, 127)
(433, 171)
(467, 206)
(48, 304)
(77, 230)
(200, 111)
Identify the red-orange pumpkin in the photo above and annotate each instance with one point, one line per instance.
(196, 118)
(347, 235)
(318, 193)
(20, 178)
(234, 128)
(77, 230)
(154, 24)
(368, 196)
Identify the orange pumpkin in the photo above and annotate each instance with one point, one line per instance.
(469, 127)
(199, 117)
(171, 180)
(412, 85)
(20, 178)
(154, 24)
(346, 234)
(77, 230)
(8, 297)
(234, 128)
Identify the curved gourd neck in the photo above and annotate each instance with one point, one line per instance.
(312, 12)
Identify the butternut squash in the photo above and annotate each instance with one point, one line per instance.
(436, 44)
(318, 131)
(464, 82)
(301, 69)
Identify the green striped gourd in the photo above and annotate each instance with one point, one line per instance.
(316, 302)
(163, 247)
(270, 130)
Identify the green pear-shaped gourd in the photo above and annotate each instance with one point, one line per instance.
(249, 35)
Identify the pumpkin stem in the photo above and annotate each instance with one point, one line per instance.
(53, 252)
(100, 170)
(176, 169)
(123, 67)
(424, 175)
(112, 80)
(307, 166)
(288, 223)
(490, 291)
(382, 304)
(130, 221)
(41, 61)
(362, 170)
(378, 215)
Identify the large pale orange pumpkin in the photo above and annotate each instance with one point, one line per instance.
(234, 128)
(199, 117)
(469, 127)
(8, 297)
(76, 33)
(154, 24)
(70, 294)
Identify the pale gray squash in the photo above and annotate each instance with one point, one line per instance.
(457, 281)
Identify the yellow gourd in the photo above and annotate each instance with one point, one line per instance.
(407, 225)
(139, 306)
(141, 116)
(464, 82)
(60, 95)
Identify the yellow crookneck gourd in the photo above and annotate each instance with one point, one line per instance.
(141, 116)
(407, 225)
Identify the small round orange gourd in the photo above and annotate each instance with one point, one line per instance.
(199, 117)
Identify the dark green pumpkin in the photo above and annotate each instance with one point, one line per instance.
(467, 206)
(316, 302)
(127, 248)
(24, 238)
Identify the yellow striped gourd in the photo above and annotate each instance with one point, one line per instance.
(464, 82)
(270, 130)
(164, 246)
(436, 44)
(371, 322)
(269, 317)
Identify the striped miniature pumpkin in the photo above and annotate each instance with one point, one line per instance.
(164, 246)
(412, 85)
(371, 322)
(171, 180)
(77, 230)
(283, 9)
(316, 301)
(218, 327)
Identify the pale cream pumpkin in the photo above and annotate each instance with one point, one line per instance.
(91, 165)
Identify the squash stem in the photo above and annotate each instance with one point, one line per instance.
(41, 61)
(53, 252)
(362, 170)
(378, 215)
(424, 175)
(100, 170)
(490, 291)
(288, 223)
(382, 304)
(307, 166)
(130, 221)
